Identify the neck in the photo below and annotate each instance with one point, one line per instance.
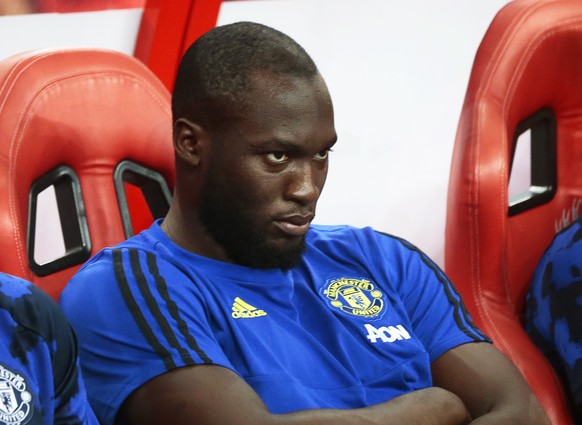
(186, 231)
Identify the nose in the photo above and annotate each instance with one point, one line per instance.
(306, 182)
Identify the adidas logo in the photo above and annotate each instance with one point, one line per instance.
(243, 310)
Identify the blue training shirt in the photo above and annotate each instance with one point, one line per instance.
(554, 307)
(358, 322)
(40, 380)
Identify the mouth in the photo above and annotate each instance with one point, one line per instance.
(294, 224)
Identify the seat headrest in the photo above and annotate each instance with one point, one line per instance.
(86, 110)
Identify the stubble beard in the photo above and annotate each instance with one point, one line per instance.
(230, 224)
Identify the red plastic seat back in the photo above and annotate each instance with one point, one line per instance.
(527, 74)
(93, 125)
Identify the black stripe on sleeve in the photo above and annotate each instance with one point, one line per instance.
(154, 308)
(173, 308)
(455, 299)
(460, 314)
(133, 307)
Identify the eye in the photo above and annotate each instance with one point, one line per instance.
(322, 155)
(277, 157)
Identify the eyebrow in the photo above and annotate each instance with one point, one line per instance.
(284, 145)
(274, 144)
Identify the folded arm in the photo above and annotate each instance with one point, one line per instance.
(212, 395)
(472, 380)
(491, 387)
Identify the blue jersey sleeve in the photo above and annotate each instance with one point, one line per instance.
(435, 308)
(137, 317)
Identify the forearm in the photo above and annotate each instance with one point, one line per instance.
(525, 413)
(431, 406)
(490, 386)
(211, 395)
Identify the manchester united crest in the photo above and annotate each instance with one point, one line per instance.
(15, 399)
(357, 297)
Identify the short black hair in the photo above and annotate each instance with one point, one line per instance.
(214, 74)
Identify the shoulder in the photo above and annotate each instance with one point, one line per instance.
(122, 281)
(339, 233)
(566, 240)
(101, 272)
(29, 306)
(356, 238)
(561, 263)
(13, 288)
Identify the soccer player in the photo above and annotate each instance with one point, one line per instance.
(235, 309)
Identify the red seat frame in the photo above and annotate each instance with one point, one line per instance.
(529, 59)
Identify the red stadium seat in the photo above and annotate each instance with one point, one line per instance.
(90, 130)
(526, 79)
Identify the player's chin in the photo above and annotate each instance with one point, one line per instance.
(286, 254)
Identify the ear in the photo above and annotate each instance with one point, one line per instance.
(191, 141)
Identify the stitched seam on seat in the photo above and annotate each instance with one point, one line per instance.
(477, 289)
(11, 203)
